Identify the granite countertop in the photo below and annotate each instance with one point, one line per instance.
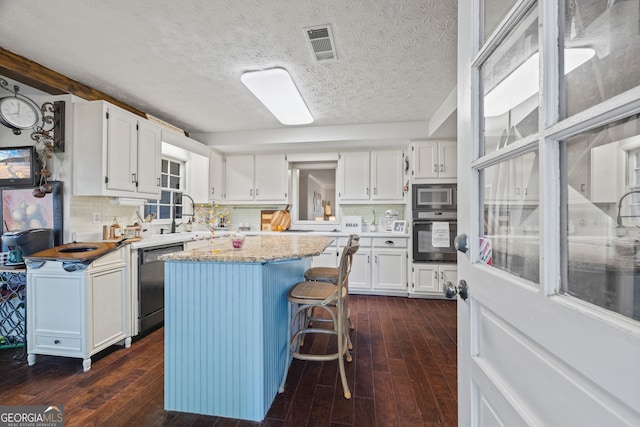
(262, 248)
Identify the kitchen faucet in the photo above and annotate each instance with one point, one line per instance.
(620, 227)
(178, 201)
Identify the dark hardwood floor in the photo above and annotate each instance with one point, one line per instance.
(403, 374)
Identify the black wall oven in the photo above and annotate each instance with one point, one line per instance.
(435, 223)
(433, 239)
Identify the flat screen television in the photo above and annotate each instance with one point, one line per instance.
(18, 166)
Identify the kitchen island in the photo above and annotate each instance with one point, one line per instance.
(226, 323)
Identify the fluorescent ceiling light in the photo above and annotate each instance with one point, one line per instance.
(522, 83)
(275, 89)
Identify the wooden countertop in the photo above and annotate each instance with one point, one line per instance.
(263, 248)
(66, 252)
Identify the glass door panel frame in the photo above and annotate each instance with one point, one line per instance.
(552, 131)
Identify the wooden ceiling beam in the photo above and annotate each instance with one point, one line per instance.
(32, 74)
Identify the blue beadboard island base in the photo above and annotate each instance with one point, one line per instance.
(226, 334)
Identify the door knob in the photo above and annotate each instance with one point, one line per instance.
(450, 290)
(460, 242)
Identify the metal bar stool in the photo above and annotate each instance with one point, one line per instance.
(329, 298)
(329, 275)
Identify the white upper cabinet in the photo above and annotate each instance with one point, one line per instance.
(386, 175)
(271, 177)
(435, 159)
(261, 178)
(216, 177)
(353, 170)
(370, 176)
(116, 153)
(239, 178)
(150, 157)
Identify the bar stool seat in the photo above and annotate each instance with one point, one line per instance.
(322, 274)
(309, 290)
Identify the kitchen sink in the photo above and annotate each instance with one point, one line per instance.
(74, 249)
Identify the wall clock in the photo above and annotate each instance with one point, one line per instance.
(18, 114)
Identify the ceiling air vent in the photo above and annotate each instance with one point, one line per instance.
(321, 42)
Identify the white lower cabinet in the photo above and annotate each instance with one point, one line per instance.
(78, 313)
(328, 258)
(360, 276)
(379, 266)
(428, 278)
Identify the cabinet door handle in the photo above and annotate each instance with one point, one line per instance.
(367, 191)
(526, 190)
(251, 191)
(435, 275)
(257, 191)
(56, 342)
(158, 182)
(213, 190)
(368, 259)
(375, 259)
(389, 242)
(582, 187)
(518, 190)
(435, 168)
(134, 178)
(442, 275)
(441, 167)
(375, 190)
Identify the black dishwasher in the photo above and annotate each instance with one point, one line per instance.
(151, 285)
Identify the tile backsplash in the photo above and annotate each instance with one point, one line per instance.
(83, 208)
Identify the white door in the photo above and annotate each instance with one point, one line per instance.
(360, 276)
(216, 177)
(426, 160)
(239, 178)
(271, 177)
(448, 156)
(353, 175)
(549, 333)
(149, 158)
(122, 151)
(386, 175)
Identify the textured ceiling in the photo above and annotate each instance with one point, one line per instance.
(181, 61)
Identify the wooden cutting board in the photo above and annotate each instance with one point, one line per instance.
(281, 219)
(265, 219)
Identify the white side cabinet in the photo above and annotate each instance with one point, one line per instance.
(259, 178)
(78, 313)
(435, 159)
(370, 176)
(428, 278)
(116, 153)
(379, 267)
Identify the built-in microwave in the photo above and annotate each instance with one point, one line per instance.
(434, 197)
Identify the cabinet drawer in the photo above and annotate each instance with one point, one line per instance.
(112, 259)
(365, 242)
(60, 343)
(389, 242)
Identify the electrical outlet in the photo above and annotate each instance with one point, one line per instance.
(95, 217)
